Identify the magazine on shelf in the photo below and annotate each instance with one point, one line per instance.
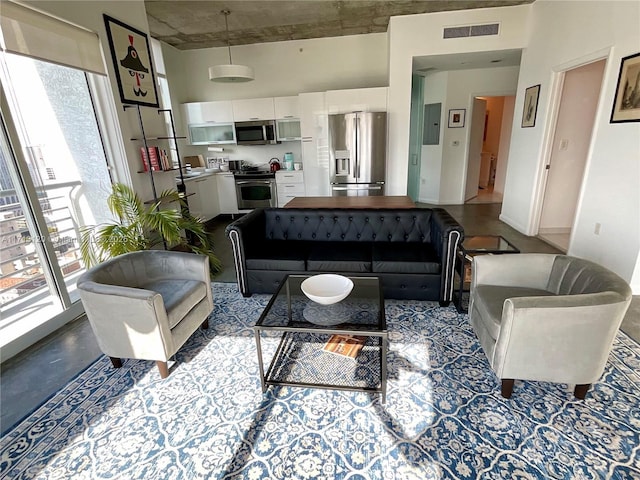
(345, 345)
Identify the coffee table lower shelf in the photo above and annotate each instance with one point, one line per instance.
(300, 361)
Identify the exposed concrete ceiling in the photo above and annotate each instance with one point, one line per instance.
(188, 24)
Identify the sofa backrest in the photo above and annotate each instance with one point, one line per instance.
(355, 225)
(574, 276)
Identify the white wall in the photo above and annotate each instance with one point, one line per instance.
(505, 142)
(435, 91)
(565, 35)
(419, 35)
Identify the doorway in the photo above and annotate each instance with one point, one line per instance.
(489, 138)
(566, 166)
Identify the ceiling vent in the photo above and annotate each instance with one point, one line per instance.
(471, 31)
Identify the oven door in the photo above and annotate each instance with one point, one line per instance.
(256, 193)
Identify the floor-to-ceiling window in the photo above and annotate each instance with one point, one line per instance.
(60, 150)
(54, 176)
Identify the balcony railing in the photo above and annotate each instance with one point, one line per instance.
(21, 272)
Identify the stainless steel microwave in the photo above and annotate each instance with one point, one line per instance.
(260, 132)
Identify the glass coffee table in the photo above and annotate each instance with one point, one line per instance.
(470, 247)
(313, 351)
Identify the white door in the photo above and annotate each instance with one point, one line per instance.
(567, 163)
(475, 147)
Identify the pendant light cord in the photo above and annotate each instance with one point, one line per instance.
(226, 25)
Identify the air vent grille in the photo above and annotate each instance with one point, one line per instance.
(471, 31)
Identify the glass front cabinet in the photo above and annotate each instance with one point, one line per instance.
(212, 134)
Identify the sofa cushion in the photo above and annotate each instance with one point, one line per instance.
(339, 257)
(489, 300)
(404, 258)
(179, 296)
(277, 255)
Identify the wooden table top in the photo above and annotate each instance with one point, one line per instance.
(379, 201)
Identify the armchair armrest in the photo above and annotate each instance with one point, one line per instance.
(539, 336)
(446, 235)
(127, 322)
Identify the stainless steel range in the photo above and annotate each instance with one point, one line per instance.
(255, 189)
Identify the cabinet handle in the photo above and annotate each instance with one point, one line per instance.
(254, 118)
(288, 116)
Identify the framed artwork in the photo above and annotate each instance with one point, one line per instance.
(131, 57)
(530, 109)
(456, 118)
(626, 102)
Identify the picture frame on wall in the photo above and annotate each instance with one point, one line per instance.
(456, 118)
(530, 109)
(131, 55)
(626, 102)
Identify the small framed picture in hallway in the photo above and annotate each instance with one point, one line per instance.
(456, 118)
(530, 109)
(626, 103)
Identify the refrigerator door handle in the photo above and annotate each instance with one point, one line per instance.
(357, 166)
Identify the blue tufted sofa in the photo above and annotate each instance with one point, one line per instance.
(412, 251)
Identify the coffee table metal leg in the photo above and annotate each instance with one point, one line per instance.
(383, 368)
(260, 365)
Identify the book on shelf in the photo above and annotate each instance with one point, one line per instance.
(345, 345)
(159, 159)
(152, 158)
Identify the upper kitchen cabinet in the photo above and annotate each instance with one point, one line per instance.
(253, 109)
(286, 107)
(204, 112)
(357, 99)
(287, 110)
(209, 123)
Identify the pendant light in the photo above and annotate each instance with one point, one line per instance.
(230, 72)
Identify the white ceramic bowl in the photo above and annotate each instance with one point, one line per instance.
(327, 288)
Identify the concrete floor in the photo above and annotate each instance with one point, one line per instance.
(32, 376)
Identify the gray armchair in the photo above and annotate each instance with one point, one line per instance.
(546, 317)
(146, 305)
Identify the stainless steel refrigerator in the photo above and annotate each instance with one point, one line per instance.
(357, 153)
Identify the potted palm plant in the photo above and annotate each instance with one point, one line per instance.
(140, 227)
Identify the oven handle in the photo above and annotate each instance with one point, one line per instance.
(253, 182)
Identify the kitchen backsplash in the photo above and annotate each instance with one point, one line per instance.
(258, 155)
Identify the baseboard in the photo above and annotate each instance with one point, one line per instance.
(512, 223)
(433, 201)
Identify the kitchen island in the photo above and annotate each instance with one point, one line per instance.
(379, 201)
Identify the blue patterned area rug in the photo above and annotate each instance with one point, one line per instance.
(444, 416)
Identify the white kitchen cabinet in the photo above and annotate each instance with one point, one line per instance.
(204, 203)
(314, 129)
(286, 107)
(253, 109)
(227, 193)
(289, 184)
(212, 134)
(209, 123)
(204, 112)
(288, 129)
(357, 99)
